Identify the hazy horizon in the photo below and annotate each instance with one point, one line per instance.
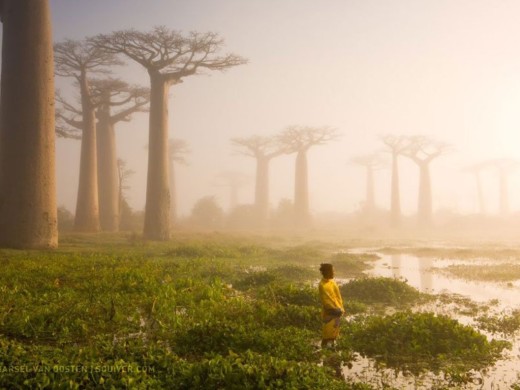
(444, 69)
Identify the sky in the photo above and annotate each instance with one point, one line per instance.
(448, 69)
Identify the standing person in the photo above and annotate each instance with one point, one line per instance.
(332, 305)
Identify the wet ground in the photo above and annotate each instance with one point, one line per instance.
(427, 274)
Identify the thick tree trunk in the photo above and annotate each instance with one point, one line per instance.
(27, 168)
(395, 201)
(262, 188)
(108, 178)
(504, 196)
(173, 194)
(424, 209)
(157, 210)
(370, 199)
(87, 206)
(301, 190)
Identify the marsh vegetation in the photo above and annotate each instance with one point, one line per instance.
(222, 311)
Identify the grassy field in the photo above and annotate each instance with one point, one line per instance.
(210, 311)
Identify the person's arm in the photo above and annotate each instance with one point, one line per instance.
(338, 296)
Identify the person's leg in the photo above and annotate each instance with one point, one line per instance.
(330, 343)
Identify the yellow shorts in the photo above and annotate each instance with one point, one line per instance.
(330, 329)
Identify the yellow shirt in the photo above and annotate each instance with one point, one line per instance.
(330, 295)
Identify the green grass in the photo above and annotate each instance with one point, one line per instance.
(198, 312)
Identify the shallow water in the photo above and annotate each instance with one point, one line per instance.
(425, 274)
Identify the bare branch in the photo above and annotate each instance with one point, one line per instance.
(74, 58)
(168, 52)
(64, 129)
(396, 143)
(423, 150)
(258, 147)
(374, 160)
(298, 138)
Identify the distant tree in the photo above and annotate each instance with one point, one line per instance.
(177, 151)
(370, 162)
(423, 151)
(234, 181)
(476, 169)
(28, 212)
(79, 60)
(65, 219)
(127, 100)
(299, 139)
(168, 56)
(396, 145)
(504, 167)
(207, 213)
(123, 173)
(106, 94)
(263, 150)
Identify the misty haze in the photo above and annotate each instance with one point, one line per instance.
(260, 194)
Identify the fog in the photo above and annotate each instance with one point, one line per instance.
(445, 69)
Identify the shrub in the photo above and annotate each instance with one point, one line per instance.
(416, 342)
(386, 291)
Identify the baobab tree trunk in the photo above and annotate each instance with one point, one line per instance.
(157, 210)
(370, 199)
(262, 188)
(504, 198)
(173, 195)
(395, 201)
(28, 217)
(108, 178)
(424, 209)
(301, 190)
(87, 206)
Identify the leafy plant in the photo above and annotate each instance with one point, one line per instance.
(385, 291)
(418, 342)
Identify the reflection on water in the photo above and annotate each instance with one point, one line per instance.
(425, 274)
(396, 266)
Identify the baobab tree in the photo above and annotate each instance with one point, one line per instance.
(299, 139)
(370, 162)
(78, 60)
(396, 145)
(106, 94)
(263, 150)
(504, 167)
(423, 151)
(178, 149)
(28, 212)
(128, 100)
(476, 169)
(169, 57)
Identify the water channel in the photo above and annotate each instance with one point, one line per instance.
(426, 274)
